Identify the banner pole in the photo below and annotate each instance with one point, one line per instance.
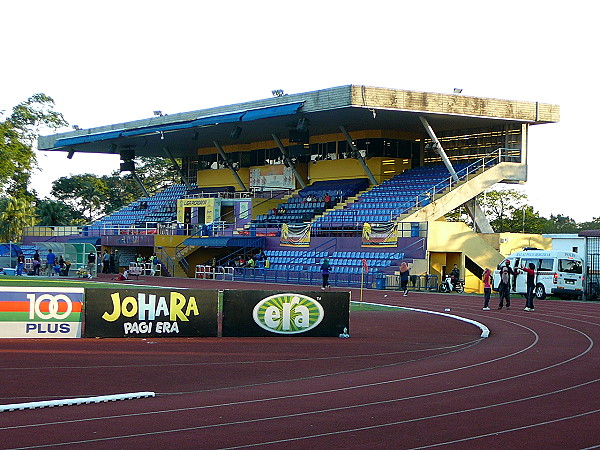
(362, 279)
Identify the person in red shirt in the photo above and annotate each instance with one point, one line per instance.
(487, 288)
(530, 286)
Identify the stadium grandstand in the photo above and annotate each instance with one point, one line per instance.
(363, 176)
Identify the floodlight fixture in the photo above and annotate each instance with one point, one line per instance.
(278, 93)
(71, 153)
(457, 90)
(157, 113)
(76, 127)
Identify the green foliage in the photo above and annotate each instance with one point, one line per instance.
(85, 193)
(16, 214)
(594, 224)
(93, 197)
(18, 133)
(508, 211)
(56, 213)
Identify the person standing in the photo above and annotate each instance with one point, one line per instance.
(454, 275)
(506, 273)
(105, 262)
(36, 263)
(325, 269)
(111, 262)
(117, 259)
(404, 275)
(20, 264)
(91, 262)
(487, 288)
(530, 286)
(50, 262)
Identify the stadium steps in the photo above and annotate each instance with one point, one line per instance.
(464, 191)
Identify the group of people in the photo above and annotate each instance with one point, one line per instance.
(507, 275)
(111, 261)
(53, 266)
(257, 261)
(325, 199)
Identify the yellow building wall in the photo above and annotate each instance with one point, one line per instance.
(350, 168)
(222, 177)
(507, 243)
(449, 242)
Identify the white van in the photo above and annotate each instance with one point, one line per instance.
(556, 273)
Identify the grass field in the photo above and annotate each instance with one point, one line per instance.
(84, 283)
(52, 282)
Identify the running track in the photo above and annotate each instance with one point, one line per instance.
(403, 380)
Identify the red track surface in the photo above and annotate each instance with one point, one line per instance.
(403, 380)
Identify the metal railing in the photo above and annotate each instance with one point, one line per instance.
(491, 159)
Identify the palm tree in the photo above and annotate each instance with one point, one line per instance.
(18, 213)
(54, 213)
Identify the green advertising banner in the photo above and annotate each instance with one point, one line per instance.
(151, 312)
(296, 313)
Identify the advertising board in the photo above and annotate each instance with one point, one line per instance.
(151, 312)
(295, 313)
(40, 312)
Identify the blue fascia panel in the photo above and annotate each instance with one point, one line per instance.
(66, 142)
(215, 120)
(272, 111)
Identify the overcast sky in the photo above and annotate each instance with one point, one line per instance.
(115, 61)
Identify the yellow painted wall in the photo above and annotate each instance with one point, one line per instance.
(454, 240)
(222, 177)
(507, 243)
(449, 243)
(262, 206)
(351, 168)
(515, 242)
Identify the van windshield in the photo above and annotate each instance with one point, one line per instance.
(570, 266)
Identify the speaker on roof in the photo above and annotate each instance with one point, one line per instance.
(127, 154)
(128, 166)
(299, 136)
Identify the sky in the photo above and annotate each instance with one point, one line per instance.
(117, 61)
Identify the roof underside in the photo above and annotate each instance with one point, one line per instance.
(354, 107)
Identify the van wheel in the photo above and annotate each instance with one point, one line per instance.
(540, 292)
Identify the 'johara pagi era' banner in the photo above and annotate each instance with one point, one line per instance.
(40, 312)
(151, 313)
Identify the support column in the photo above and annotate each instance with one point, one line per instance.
(286, 158)
(177, 168)
(230, 166)
(140, 184)
(358, 156)
(438, 148)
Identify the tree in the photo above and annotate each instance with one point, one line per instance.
(16, 214)
(500, 207)
(560, 224)
(56, 213)
(93, 197)
(594, 224)
(18, 133)
(85, 193)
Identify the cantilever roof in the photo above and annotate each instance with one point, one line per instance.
(355, 107)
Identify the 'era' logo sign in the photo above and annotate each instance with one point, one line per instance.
(288, 313)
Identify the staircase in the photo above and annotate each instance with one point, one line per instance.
(472, 184)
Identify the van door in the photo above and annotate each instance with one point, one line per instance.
(522, 276)
(570, 273)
